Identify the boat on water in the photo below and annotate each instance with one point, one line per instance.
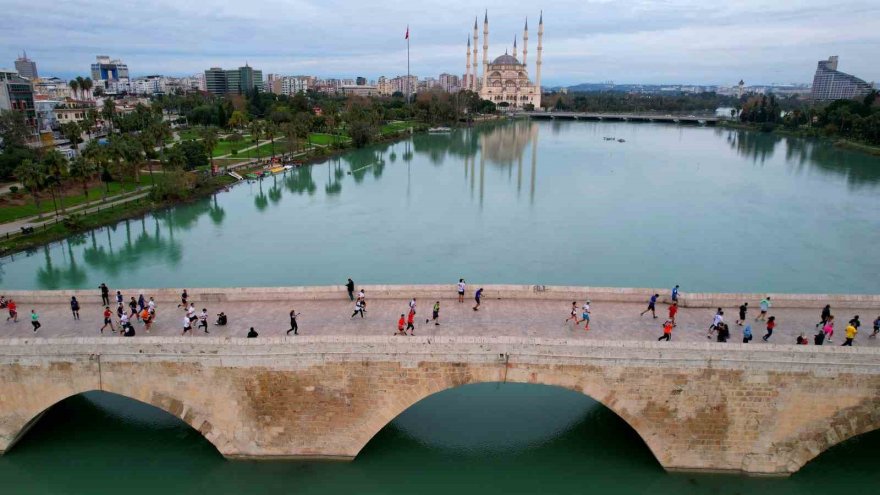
(439, 130)
(621, 140)
(276, 170)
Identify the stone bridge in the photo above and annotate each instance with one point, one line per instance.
(698, 406)
(709, 120)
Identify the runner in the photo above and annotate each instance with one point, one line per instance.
(585, 314)
(35, 320)
(358, 308)
(743, 309)
(828, 328)
(851, 331)
(119, 299)
(412, 305)
(108, 320)
(142, 303)
(13, 311)
(147, 318)
(477, 296)
(74, 307)
(716, 320)
(876, 327)
(747, 333)
(124, 323)
(410, 320)
(765, 306)
(651, 304)
(435, 314)
(361, 294)
(826, 312)
(461, 288)
(293, 326)
(203, 319)
(187, 326)
(771, 324)
(401, 324)
(856, 322)
(191, 312)
(183, 297)
(673, 309)
(675, 295)
(667, 331)
(132, 305)
(349, 286)
(573, 314)
(105, 294)
(151, 306)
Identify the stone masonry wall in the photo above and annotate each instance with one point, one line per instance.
(764, 409)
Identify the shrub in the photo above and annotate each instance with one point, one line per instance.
(13, 189)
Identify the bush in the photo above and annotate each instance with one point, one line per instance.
(13, 189)
(73, 221)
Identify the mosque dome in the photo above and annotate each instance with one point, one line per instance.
(506, 60)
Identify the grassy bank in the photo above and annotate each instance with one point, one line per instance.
(782, 131)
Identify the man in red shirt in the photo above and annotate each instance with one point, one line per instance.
(672, 311)
(400, 326)
(108, 320)
(13, 311)
(409, 321)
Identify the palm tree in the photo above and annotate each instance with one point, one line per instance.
(209, 140)
(73, 133)
(256, 129)
(270, 131)
(89, 122)
(109, 111)
(82, 85)
(74, 86)
(83, 170)
(289, 132)
(86, 85)
(56, 167)
(32, 175)
(97, 154)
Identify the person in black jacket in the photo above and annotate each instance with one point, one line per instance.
(252, 334)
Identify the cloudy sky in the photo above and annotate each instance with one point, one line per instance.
(635, 41)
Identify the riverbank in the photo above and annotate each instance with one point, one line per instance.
(782, 131)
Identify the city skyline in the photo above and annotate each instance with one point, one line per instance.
(680, 41)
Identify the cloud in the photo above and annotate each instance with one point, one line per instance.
(688, 41)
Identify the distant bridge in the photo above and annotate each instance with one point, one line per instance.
(623, 117)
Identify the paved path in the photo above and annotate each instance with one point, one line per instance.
(14, 227)
(521, 318)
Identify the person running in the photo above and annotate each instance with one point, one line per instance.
(585, 314)
(828, 328)
(147, 318)
(667, 331)
(124, 323)
(187, 326)
(151, 306)
(771, 324)
(361, 294)
(675, 294)
(651, 303)
(142, 303)
(851, 331)
(673, 309)
(573, 314)
(477, 296)
(716, 320)
(35, 320)
(105, 294)
(108, 319)
(435, 314)
(876, 328)
(132, 305)
(358, 308)
(461, 288)
(293, 326)
(349, 286)
(183, 297)
(13, 311)
(856, 322)
(412, 305)
(410, 321)
(743, 309)
(252, 334)
(765, 306)
(826, 312)
(74, 307)
(191, 312)
(401, 325)
(203, 319)
(119, 299)
(747, 333)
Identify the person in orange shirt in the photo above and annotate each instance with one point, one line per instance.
(108, 320)
(13, 311)
(672, 311)
(147, 318)
(410, 319)
(401, 323)
(667, 331)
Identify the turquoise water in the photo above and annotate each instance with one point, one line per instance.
(526, 202)
(481, 439)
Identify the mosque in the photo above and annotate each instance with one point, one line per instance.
(505, 81)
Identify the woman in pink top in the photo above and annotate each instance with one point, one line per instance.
(828, 328)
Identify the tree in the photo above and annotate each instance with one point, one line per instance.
(74, 86)
(97, 154)
(193, 154)
(256, 128)
(270, 130)
(32, 176)
(14, 129)
(209, 141)
(86, 85)
(80, 83)
(83, 169)
(238, 119)
(55, 165)
(109, 112)
(73, 133)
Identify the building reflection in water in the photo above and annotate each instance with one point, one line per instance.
(505, 145)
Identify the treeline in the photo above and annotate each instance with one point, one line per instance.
(856, 119)
(611, 101)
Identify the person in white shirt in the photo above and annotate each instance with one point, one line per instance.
(203, 320)
(585, 314)
(716, 320)
(187, 325)
(412, 305)
(462, 287)
(191, 312)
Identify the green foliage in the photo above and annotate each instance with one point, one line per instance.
(173, 185)
(615, 101)
(14, 131)
(74, 221)
(11, 157)
(13, 189)
(194, 154)
(856, 119)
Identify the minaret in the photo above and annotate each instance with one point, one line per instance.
(486, 49)
(525, 42)
(467, 66)
(475, 68)
(514, 46)
(538, 63)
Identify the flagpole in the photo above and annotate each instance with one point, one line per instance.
(408, 89)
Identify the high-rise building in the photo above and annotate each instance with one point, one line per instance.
(26, 67)
(233, 81)
(831, 84)
(215, 81)
(360, 81)
(105, 69)
(16, 93)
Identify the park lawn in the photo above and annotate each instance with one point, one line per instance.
(225, 147)
(262, 151)
(187, 134)
(13, 212)
(392, 127)
(327, 139)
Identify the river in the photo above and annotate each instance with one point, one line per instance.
(710, 209)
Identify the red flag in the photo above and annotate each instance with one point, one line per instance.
(407, 33)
